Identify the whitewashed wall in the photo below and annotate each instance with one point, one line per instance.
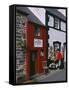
(55, 35)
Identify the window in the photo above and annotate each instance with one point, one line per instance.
(37, 31)
(63, 26)
(51, 21)
(56, 23)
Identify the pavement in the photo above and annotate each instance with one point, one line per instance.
(53, 75)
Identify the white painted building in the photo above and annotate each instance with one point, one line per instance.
(55, 33)
(56, 25)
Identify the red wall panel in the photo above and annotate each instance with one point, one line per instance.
(30, 46)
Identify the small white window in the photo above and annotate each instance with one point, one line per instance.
(51, 21)
(56, 23)
(63, 26)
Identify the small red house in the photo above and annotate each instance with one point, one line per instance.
(36, 44)
(36, 49)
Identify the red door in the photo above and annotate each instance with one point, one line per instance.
(33, 60)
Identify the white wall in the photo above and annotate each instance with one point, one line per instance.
(55, 35)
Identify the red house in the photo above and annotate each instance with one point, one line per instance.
(36, 44)
(36, 48)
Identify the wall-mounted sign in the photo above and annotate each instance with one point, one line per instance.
(38, 43)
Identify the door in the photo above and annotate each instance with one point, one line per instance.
(33, 59)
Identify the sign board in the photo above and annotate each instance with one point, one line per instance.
(38, 43)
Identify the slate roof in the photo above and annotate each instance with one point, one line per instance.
(31, 16)
(56, 13)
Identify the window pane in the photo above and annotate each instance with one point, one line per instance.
(37, 31)
(51, 21)
(56, 23)
(63, 26)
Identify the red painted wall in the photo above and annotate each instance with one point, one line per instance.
(30, 46)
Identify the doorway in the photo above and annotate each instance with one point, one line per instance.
(33, 59)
